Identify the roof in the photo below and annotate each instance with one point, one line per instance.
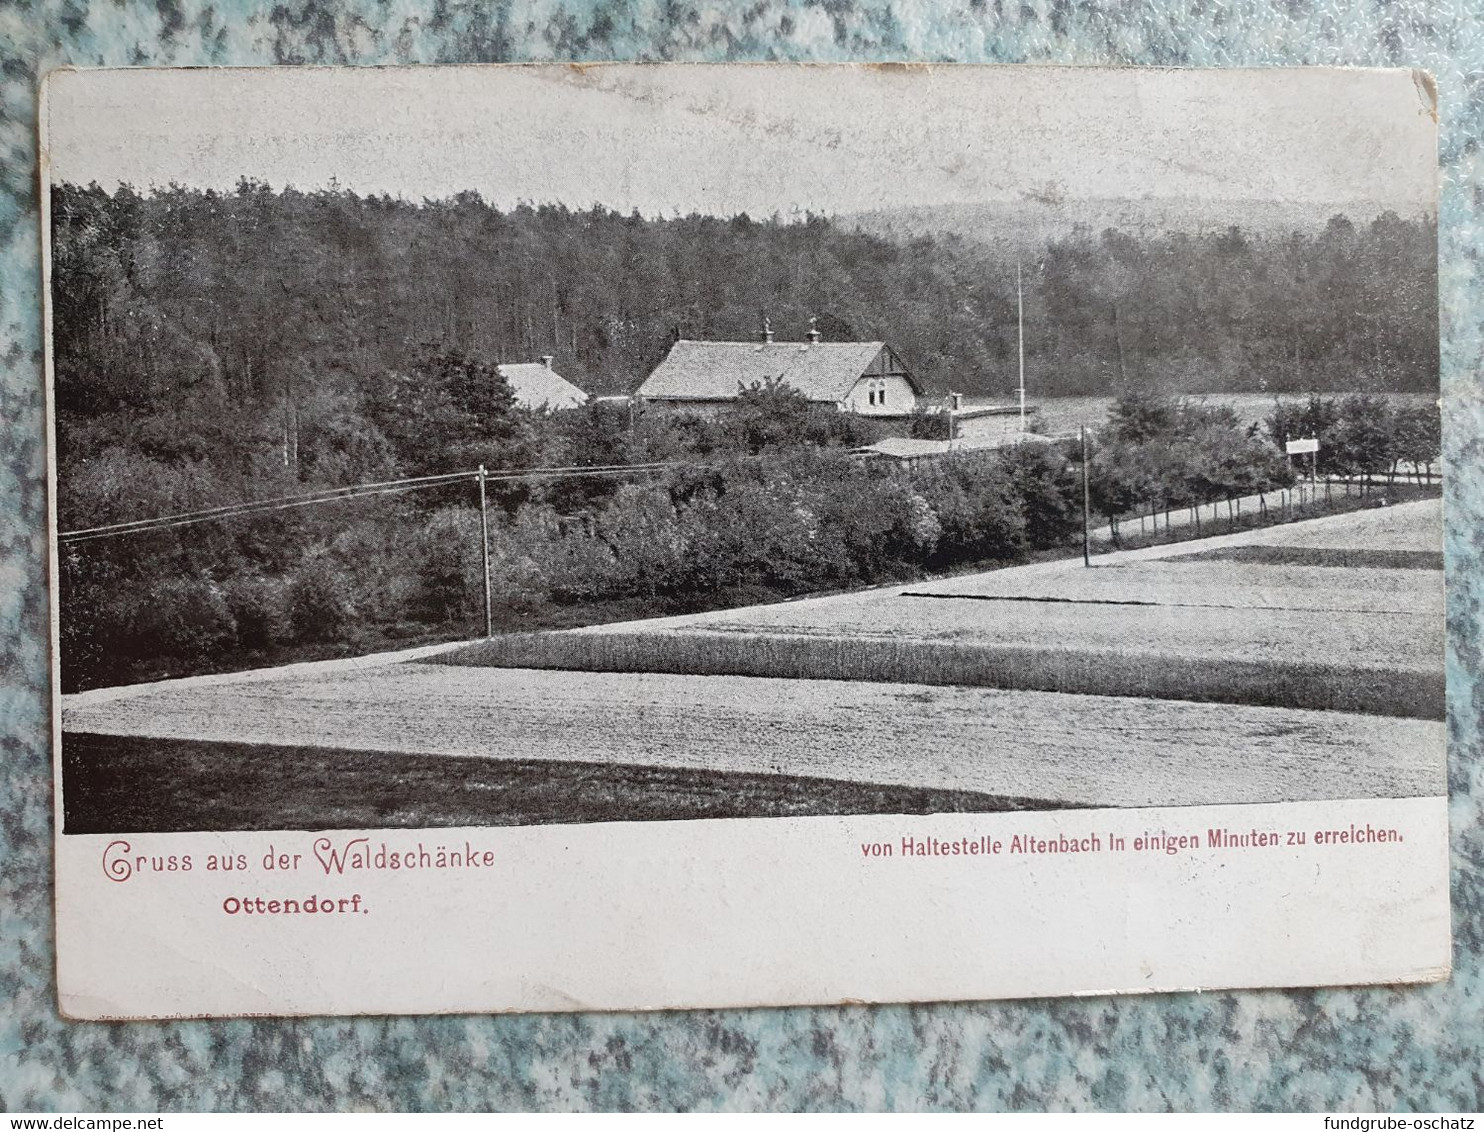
(535, 385)
(904, 448)
(714, 371)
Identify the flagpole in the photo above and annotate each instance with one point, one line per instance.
(1020, 332)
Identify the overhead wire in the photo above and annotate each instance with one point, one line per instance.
(354, 491)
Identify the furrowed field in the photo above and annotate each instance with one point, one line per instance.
(1006, 749)
(1045, 685)
(1148, 623)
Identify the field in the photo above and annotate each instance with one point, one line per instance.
(1062, 415)
(227, 786)
(1211, 580)
(1045, 685)
(1412, 527)
(1004, 746)
(1148, 623)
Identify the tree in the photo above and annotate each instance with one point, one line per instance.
(1318, 418)
(767, 416)
(1118, 481)
(449, 412)
(1362, 440)
(156, 288)
(1419, 435)
(1139, 417)
(1047, 491)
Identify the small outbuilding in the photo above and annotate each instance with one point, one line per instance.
(539, 386)
(909, 453)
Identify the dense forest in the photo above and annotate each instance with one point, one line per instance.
(212, 348)
(270, 293)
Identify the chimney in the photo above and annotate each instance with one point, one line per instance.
(813, 330)
(767, 329)
(547, 359)
(958, 401)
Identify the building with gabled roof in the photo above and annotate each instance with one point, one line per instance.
(539, 386)
(857, 377)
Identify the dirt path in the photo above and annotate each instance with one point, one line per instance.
(1214, 517)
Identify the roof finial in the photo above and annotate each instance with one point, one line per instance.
(767, 329)
(813, 329)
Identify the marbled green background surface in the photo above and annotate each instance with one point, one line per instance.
(1331, 1049)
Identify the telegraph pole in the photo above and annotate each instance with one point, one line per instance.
(1086, 501)
(484, 542)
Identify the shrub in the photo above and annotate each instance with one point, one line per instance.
(516, 575)
(641, 528)
(95, 594)
(259, 607)
(1047, 491)
(767, 416)
(974, 501)
(926, 425)
(320, 602)
(829, 428)
(450, 574)
(184, 618)
(763, 529)
(571, 564)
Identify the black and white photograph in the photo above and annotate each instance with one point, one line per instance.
(543, 446)
(732, 464)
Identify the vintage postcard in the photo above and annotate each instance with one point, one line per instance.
(633, 537)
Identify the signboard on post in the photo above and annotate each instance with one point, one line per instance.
(1309, 444)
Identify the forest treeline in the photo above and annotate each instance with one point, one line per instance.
(280, 294)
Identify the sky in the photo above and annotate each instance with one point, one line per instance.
(760, 139)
